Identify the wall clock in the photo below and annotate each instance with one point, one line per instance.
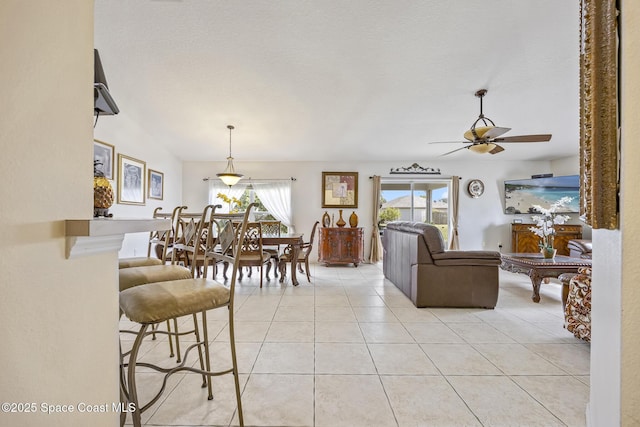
(475, 188)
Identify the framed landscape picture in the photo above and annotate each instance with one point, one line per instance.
(155, 185)
(339, 189)
(131, 177)
(104, 154)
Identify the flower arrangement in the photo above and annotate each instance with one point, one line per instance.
(236, 203)
(546, 220)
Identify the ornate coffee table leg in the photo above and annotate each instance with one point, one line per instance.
(536, 280)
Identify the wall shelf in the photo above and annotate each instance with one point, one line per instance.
(98, 235)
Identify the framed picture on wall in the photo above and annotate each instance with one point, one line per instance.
(131, 177)
(103, 153)
(155, 185)
(339, 189)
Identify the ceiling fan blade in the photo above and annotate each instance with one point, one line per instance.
(449, 142)
(525, 138)
(495, 132)
(453, 151)
(496, 150)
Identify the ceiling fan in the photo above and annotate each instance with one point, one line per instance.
(484, 139)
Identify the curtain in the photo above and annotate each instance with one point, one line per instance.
(376, 242)
(454, 244)
(276, 198)
(218, 187)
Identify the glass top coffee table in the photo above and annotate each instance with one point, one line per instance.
(537, 267)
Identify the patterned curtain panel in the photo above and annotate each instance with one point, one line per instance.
(376, 242)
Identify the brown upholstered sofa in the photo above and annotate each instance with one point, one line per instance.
(415, 260)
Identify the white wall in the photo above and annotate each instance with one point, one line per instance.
(615, 365)
(483, 225)
(131, 140)
(59, 316)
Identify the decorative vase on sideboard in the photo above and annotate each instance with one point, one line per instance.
(353, 220)
(326, 221)
(340, 222)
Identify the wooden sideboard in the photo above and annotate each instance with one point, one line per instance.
(524, 240)
(341, 245)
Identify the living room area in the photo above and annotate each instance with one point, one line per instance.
(307, 353)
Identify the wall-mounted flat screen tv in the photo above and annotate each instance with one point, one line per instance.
(520, 195)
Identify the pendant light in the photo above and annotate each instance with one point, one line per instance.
(229, 176)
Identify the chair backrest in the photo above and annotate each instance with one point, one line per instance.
(252, 239)
(313, 233)
(270, 227)
(308, 246)
(164, 238)
(239, 235)
(196, 238)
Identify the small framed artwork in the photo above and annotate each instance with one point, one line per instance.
(155, 185)
(131, 177)
(339, 189)
(103, 154)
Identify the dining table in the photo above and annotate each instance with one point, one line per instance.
(292, 239)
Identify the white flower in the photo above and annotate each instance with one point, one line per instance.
(547, 219)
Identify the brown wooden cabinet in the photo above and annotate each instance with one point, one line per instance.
(524, 240)
(341, 245)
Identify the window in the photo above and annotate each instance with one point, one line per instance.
(273, 198)
(418, 201)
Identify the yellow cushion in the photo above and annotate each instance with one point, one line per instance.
(138, 262)
(157, 302)
(136, 276)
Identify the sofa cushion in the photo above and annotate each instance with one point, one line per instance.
(432, 235)
(467, 258)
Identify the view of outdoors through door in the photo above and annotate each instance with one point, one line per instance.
(419, 201)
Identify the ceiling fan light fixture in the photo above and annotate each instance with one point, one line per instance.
(482, 148)
(229, 176)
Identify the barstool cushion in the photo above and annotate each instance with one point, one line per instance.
(135, 276)
(157, 302)
(138, 262)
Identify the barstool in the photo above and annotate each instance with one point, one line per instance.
(153, 303)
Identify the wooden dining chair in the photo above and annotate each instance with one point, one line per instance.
(251, 253)
(272, 228)
(303, 256)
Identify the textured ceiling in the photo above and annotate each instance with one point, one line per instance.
(351, 80)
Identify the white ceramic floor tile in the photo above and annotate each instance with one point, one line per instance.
(401, 359)
(334, 314)
(479, 333)
(498, 401)
(564, 396)
(459, 359)
(432, 333)
(278, 400)
(294, 314)
(385, 333)
(342, 358)
(285, 358)
(427, 401)
(414, 314)
(374, 314)
(338, 332)
(516, 359)
(290, 332)
(340, 401)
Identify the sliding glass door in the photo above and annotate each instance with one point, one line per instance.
(416, 200)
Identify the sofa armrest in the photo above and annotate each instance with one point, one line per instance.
(467, 258)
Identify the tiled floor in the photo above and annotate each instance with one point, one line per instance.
(350, 350)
